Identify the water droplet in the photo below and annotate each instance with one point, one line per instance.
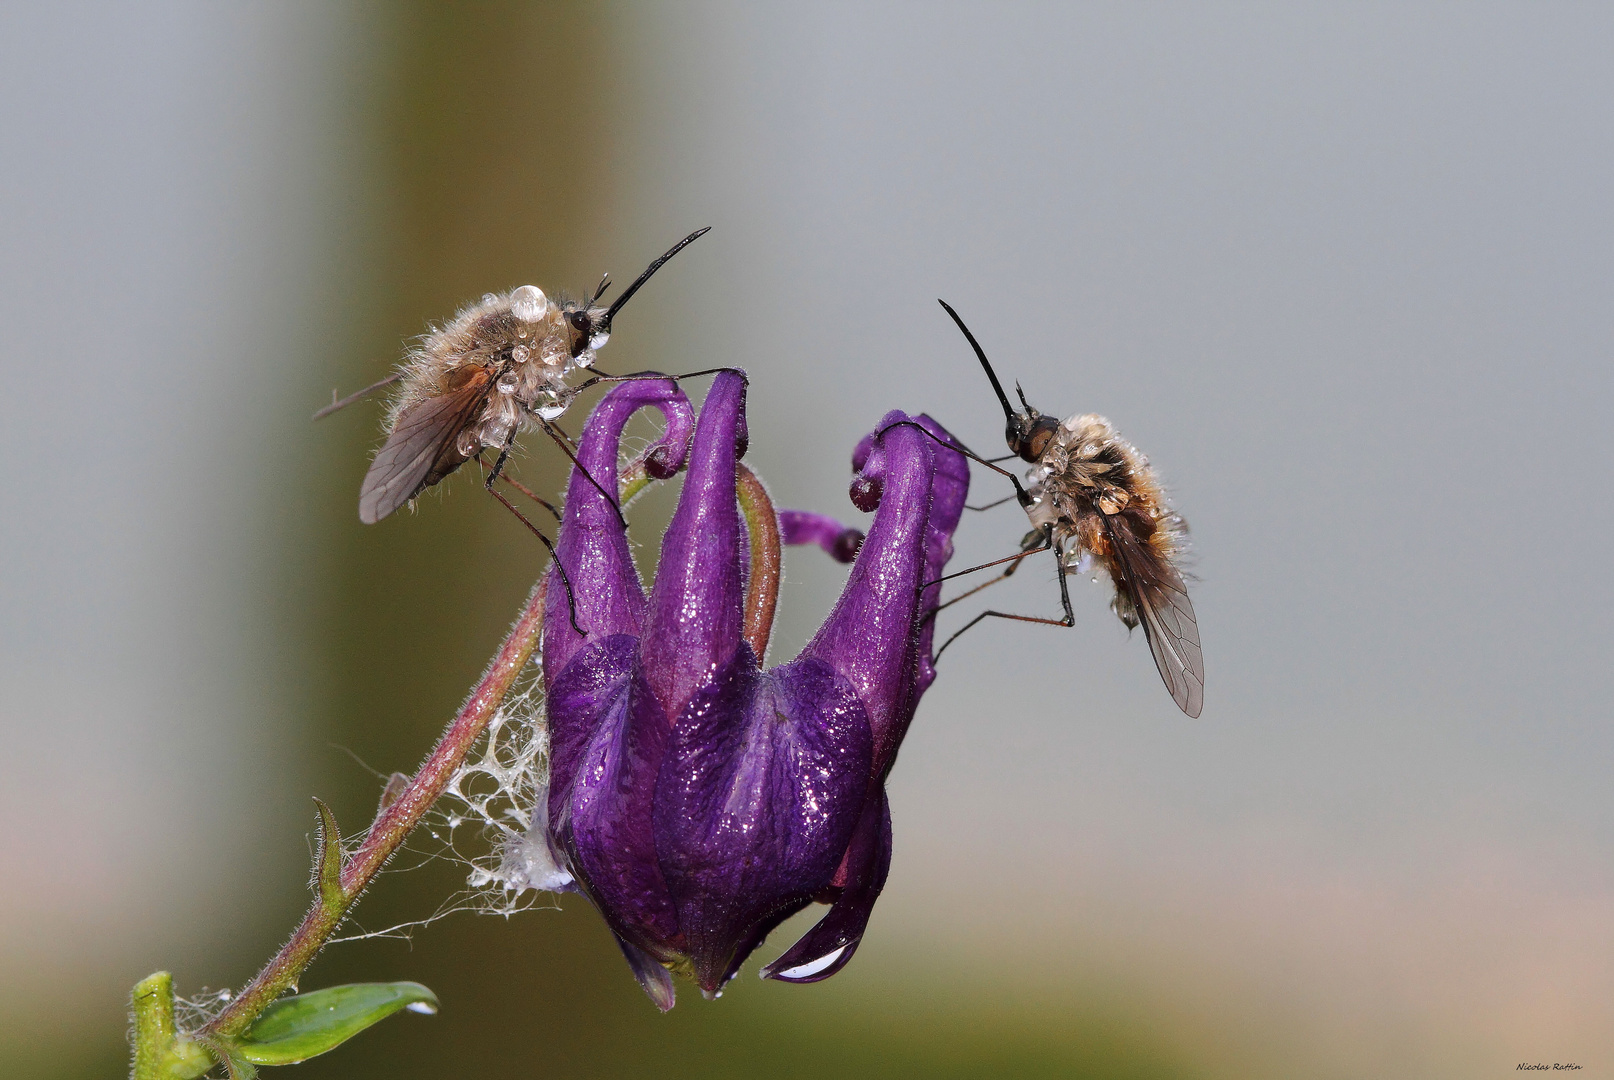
(552, 411)
(291, 988)
(424, 1008)
(529, 303)
(507, 382)
(585, 359)
(813, 967)
(520, 353)
(227, 994)
(469, 444)
(598, 340)
(488, 298)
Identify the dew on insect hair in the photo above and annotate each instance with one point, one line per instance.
(520, 353)
(528, 303)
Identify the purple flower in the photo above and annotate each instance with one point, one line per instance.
(697, 799)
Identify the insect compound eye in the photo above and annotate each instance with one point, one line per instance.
(582, 329)
(528, 303)
(1041, 433)
(1014, 434)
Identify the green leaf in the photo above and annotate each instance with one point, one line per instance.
(297, 1028)
(328, 859)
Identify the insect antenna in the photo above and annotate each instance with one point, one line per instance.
(980, 354)
(605, 323)
(605, 283)
(356, 395)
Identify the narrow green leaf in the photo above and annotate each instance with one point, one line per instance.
(328, 860)
(297, 1028)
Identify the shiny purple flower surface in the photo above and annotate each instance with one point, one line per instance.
(697, 799)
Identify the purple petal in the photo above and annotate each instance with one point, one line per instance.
(695, 619)
(655, 979)
(872, 636)
(806, 527)
(827, 947)
(951, 490)
(609, 736)
(593, 546)
(762, 785)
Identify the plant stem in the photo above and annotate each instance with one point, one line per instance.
(762, 584)
(390, 827)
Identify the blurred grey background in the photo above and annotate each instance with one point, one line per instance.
(1346, 274)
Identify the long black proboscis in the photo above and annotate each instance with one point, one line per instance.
(605, 323)
(980, 353)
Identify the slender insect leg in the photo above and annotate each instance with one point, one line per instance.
(565, 579)
(524, 489)
(641, 375)
(1064, 599)
(1041, 545)
(549, 429)
(967, 593)
(569, 440)
(955, 445)
(990, 505)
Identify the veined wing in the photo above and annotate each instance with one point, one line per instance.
(422, 449)
(1161, 600)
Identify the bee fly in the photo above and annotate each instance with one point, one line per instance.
(1096, 502)
(500, 366)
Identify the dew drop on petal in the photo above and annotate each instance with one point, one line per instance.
(424, 1008)
(528, 303)
(813, 967)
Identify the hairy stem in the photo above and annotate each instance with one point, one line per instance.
(339, 891)
(762, 584)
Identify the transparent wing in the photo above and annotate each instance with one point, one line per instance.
(1157, 592)
(422, 449)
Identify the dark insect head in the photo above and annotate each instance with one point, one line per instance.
(1027, 432)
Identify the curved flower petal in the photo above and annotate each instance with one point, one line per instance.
(872, 637)
(609, 736)
(695, 619)
(593, 546)
(829, 946)
(950, 490)
(839, 541)
(761, 787)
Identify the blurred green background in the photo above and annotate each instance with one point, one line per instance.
(1344, 273)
